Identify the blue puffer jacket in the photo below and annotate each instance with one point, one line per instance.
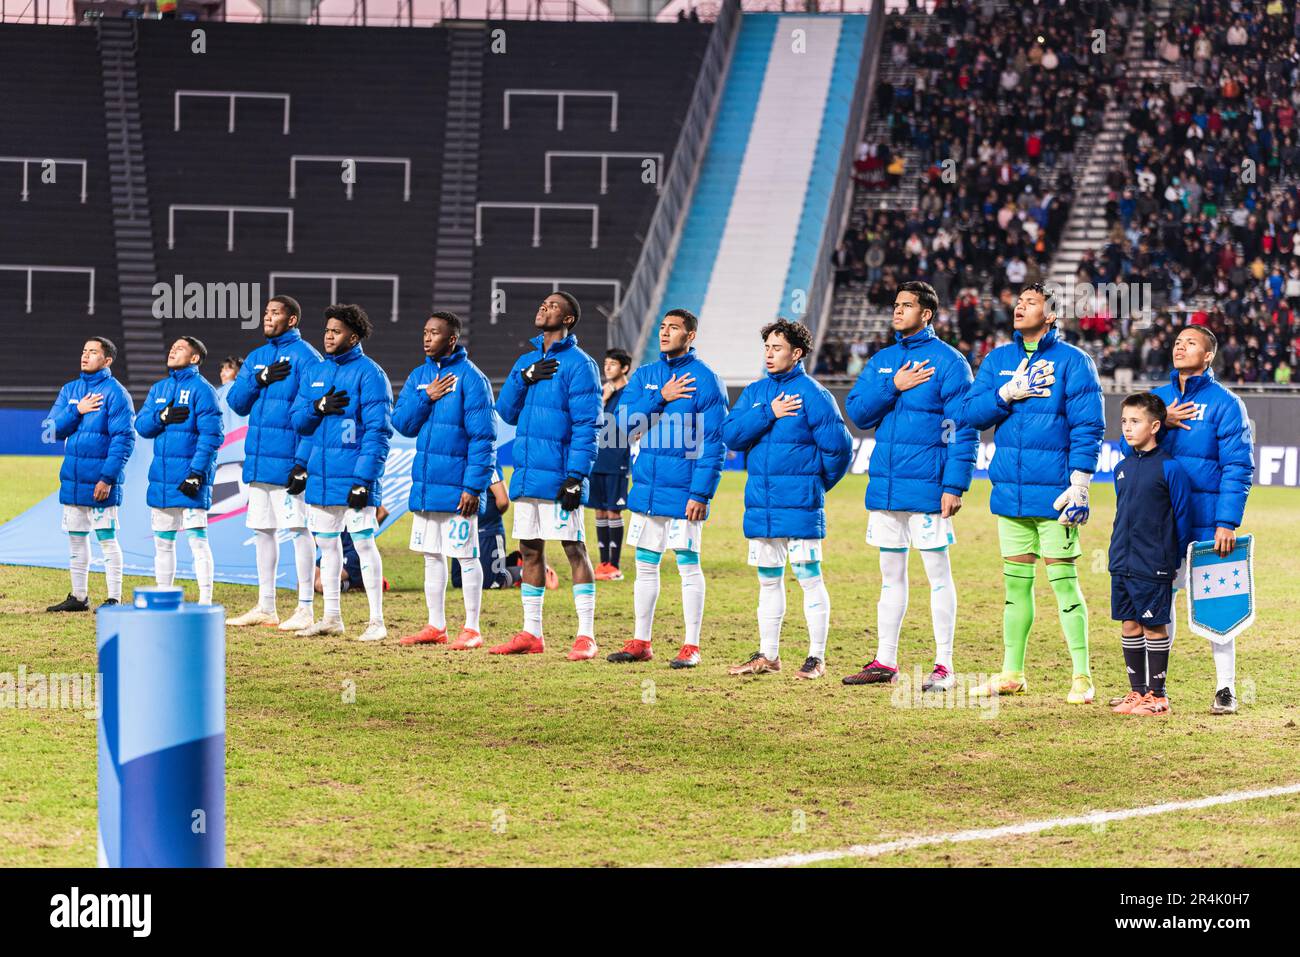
(921, 449)
(793, 461)
(271, 445)
(1039, 442)
(99, 442)
(347, 449)
(186, 448)
(558, 420)
(681, 449)
(455, 446)
(1217, 452)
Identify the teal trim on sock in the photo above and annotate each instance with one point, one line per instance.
(104, 534)
(645, 555)
(768, 572)
(196, 532)
(166, 536)
(893, 549)
(80, 534)
(584, 588)
(804, 570)
(686, 556)
(532, 591)
(941, 548)
(327, 534)
(364, 533)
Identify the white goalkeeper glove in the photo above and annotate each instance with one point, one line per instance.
(1029, 382)
(1073, 502)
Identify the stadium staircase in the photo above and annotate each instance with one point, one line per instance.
(453, 270)
(142, 332)
(1086, 229)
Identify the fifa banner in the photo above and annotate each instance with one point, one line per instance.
(34, 537)
(1220, 591)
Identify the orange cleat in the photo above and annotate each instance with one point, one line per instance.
(1126, 704)
(1151, 706)
(523, 643)
(468, 638)
(607, 572)
(584, 648)
(428, 635)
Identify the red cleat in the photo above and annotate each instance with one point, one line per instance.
(688, 657)
(468, 638)
(428, 635)
(583, 649)
(523, 643)
(633, 650)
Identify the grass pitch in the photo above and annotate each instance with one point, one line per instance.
(340, 753)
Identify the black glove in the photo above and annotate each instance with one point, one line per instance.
(570, 497)
(273, 373)
(332, 403)
(191, 485)
(543, 369)
(359, 497)
(174, 413)
(297, 481)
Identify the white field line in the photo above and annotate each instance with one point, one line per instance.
(1010, 830)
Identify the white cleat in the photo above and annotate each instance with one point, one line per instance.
(254, 616)
(326, 626)
(375, 631)
(302, 617)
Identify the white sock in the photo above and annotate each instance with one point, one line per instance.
(204, 566)
(1225, 665)
(692, 599)
(435, 590)
(645, 595)
(331, 574)
(532, 596)
(112, 566)
(943, 603)
(584, 602)
(771, 612)
(79, 564)
(164, 561)
(372, 573)
(892, 606)
(304, 562)
(816, 608)
(471, 584)
(268, 562)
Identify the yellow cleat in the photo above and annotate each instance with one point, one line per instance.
(1004, 682)
(1081, 690)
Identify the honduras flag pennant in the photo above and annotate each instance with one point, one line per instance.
(1220, 591)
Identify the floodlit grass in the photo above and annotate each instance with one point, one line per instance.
(466, 758)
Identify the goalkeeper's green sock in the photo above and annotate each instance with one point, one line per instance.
(1074, 613)
(1017, 614)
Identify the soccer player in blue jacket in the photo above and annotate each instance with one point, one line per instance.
(1208, 431)
(1043, 397)
(796, 449)
(912, 394)
(274, 469)
(609, 475)
(182, 416)
(446, 404)
(1148, 542)
(552, 395)
(677, 405)
(344, 408)
(95, 414)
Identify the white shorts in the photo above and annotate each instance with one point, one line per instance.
(272, 507)
(660, 533)
(175, 519)
(333, 519)
(887, 529)
(444, 533)
(87, 518)
(537, 519)
(772, 552)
